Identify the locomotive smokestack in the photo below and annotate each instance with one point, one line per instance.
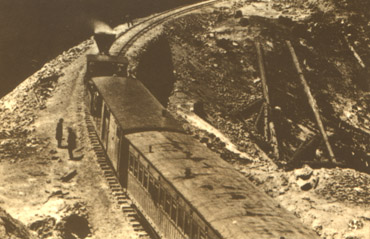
(104, 36)
(104, 41)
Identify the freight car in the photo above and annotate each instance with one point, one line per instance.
(183, 189)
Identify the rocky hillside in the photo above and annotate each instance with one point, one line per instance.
(214, 63)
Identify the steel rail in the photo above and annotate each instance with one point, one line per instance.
(153, 22)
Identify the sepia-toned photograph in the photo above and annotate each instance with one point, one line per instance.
(159, 119)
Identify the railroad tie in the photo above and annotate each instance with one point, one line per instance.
(111, 179)
(124, 197)
(119, 194)
(142, 234)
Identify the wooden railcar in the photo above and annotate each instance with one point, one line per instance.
(182, 188)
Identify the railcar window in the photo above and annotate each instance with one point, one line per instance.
(131, 165)
(156, 196)
(180, 218)
(162, 196)
(105, 123)
(202, 234)
(118, 130)
(140, 173)
(174, 210)
(151, 184)
(167, 206)
(153, 188)
(136, 167)
(96, 105)
(121, 70)
(156, 191)
(91, 65)
(187, 224)
(194, 231)
(145, 182)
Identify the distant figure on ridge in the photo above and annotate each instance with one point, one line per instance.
(71, 142)
(129, 20)
(59, 132)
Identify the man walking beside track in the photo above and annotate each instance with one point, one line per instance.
(59, 132)
(71, 142)
(129, 20)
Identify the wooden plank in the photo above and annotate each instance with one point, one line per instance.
(268, 124)
(246, 111)
(259, 116)
(355, 54)
(311, 101)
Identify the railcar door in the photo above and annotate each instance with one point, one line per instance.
(113, 140)
(105, 126)
(96, 108)
(123, 162)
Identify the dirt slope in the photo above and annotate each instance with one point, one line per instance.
(214, 61)
(33, 188)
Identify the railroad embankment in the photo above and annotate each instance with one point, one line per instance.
(212, 61)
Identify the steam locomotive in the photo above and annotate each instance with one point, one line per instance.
(183, 189)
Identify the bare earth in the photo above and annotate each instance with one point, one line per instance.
(32, 190)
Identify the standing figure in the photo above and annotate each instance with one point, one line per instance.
(129, 20)
(59, 132)
(71, 142)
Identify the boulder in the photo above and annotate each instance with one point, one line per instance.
(303, 173)
(238, 14)
(306, 185)
(244, 22)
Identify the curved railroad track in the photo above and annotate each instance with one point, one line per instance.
(127, 38)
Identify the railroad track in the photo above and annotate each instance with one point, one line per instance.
(123, 201)
(126, 39)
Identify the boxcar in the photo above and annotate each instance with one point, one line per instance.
(181, 187)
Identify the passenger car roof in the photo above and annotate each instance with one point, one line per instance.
(133, 106)
(228, 201)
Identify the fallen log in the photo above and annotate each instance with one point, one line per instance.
(311, 101)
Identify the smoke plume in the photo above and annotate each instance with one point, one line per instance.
(101, 27)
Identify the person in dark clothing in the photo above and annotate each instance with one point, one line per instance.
(129, 20)
(59, 132)
(71, 142)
